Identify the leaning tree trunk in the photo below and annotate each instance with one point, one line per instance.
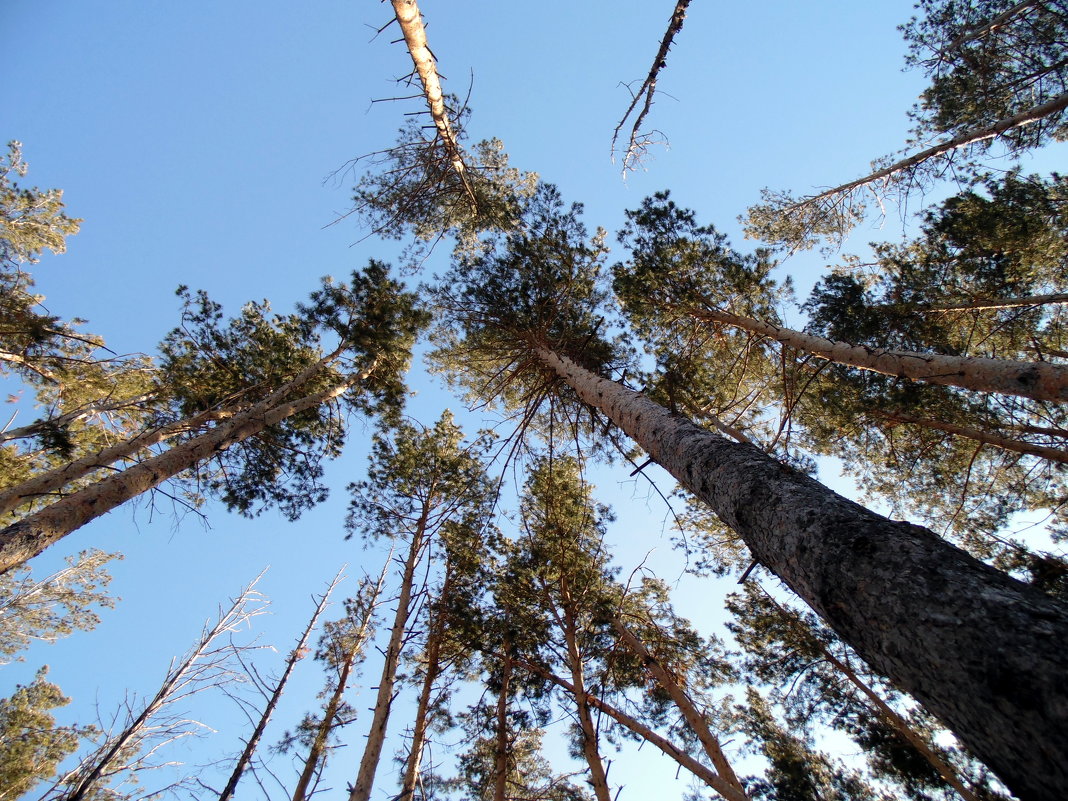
(690, 713)
(979, 649)
(698, 769)
(299, 652)
(588, 732)
(996, 440)
(963, 139)
(28, 537)
(1038, 380)
(372, 753)
(435, 636)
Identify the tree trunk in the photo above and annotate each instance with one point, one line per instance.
(28, 537)
(365, 779)
(435, 634)
(969, 137)
(892, 718)
(980, 650)
(411, 24)
(980, 304)
(598, 777)
(1005, 443)
(500, 751)
(690, 713)
(327, 724)
(13, 497)
(698, 769)
(1037, 380)
(298, 653)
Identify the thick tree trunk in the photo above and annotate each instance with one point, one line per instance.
(372, 754)
(13, 497)
(298, 653)
(435, 635)
(980, 650)
(1037, 380)
(1005, 443)
(690, 713)
(28, 537)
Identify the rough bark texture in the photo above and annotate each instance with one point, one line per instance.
(1037, 380)
(701, 771)
(372, 753)
(28, 537)
(690, 713)
(1005, 443)
(980, 650)
(500, 751)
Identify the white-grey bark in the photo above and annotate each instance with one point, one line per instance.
(28, 537)
(980, 650)
(1036, 380)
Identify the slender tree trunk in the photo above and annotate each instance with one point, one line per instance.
(992, 24)
(698, 769)
(322, 734)
(980, 304)
(94, 407)
(980, 650)
(690, 713)
(411, 24)
(181, 678)
(299, 651)
(1037, 380)
(28, 537)
(501, 748)
(13, 497)
(963, 139)
(365, 779)
(1005, 443)
(435, 635)
(598, 777)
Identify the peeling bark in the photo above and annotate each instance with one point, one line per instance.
(980, 650)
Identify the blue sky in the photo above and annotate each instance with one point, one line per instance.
(194, 139)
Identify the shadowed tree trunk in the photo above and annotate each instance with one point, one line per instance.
(979, 649)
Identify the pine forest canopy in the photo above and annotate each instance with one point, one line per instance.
(509, 627)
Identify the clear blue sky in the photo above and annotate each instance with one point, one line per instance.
(194, 138)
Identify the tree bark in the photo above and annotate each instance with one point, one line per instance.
(365, 779)
(1037, 380)
(963, 139)
(435, 635)
(298, 653)
(411, 24)
(500, 755)
(701, 771)
(13, 497)
(690, 713)
(1005, 443)
(327, 724)
(980, 650)
(28, 537)
(598, 777)
(980, 304)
